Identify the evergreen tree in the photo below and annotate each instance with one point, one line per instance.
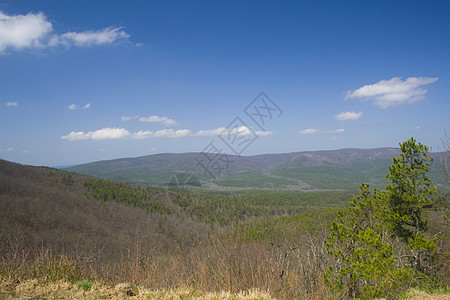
(361, 238)
(410, 194)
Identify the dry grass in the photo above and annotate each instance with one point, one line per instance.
(64, 290)
(414, 294)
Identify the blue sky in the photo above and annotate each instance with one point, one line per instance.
(82, 81)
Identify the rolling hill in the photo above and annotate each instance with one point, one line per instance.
(311, 170)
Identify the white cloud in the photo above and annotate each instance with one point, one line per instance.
(26, 152)
(314, 130)
(35, 31)
(348, 115)
(263, 133)
(105, 36)
(121, 133)
(143, 134)
(10, 149)
(164, 120)
(101, 134)
(340, 130)
(210, 132)
(172, 133)
(125, 118)
(308, 131)
(23, 31)
(395, 91)
(242, 130)
(75, 106)
(11, 104)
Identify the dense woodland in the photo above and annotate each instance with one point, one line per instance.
(59, 225)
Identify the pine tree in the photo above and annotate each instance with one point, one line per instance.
(410, 194)
(361, 238)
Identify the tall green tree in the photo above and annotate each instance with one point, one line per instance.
(361, 239)
(409, 195)
(365, 263)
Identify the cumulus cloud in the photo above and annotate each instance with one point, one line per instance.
(23, 31)
(395, 91)
(11, 104)
(101, 134)
(348, 115)
(35, 31)
(340, 130)
(308, 131)
(242, 130)
(164, 120)
(315, 130)
(172, 133)
(143, 134)
(125, 118)
(121, 133)
(105, 36)
(75, 106)
(210, 132)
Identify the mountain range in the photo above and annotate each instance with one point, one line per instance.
(309, 170)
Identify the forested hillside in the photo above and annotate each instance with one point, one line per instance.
(59, 225)
(312, 170)
(91, 232)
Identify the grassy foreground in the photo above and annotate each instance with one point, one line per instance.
(32, 289)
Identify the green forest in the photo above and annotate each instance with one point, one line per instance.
(57, 226)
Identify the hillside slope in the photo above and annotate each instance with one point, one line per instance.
(311, 170)
(44, 208)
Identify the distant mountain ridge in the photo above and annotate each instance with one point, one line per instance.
(307, 170)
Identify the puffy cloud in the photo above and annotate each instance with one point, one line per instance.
(143, 134)
(314, 130)
(164, 120)
(210, 132)
(172, 133)
(242, 130)
(22, 31)
(395, 91)
(125, 118)
(75, 106)
(308, 131)
(101, 134)
(340, 130)
(348, 115)
(121, 133)
(35, 31)
(105, 36)
(11, 104)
